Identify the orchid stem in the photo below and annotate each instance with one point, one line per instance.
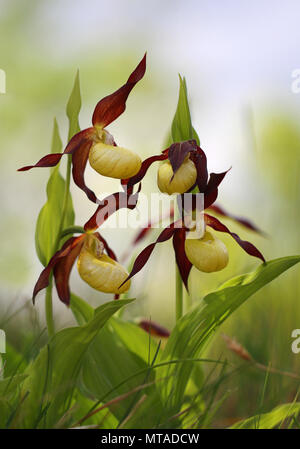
(49, 309)
(178, 284)
(179, 295)
(48, 298)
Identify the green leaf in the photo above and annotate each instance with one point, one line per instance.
(73, 108)
(48, 222)
(82, 311)
(192, 331)
(182, 128)
(54, 374)
(121, 349)
(271, 419)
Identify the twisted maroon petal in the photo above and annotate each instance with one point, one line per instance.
(43, 280)
(143, 257)
(112, 106)
(144, 168)
(247, 246)
(52, 159)
(79, 161)
(109, 205)
(243, 221)
(63, 267)
(183, 263)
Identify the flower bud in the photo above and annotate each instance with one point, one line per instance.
(99, 270)
(113, 161)
(207, 254)
(184, 178)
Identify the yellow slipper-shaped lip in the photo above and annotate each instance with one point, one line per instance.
(113, 161)
(207, 254)
(184, 178)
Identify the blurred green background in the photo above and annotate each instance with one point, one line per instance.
(238, 62)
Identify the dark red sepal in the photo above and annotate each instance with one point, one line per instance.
(50, 160)
(79, 161)
(144, 168)
(243, 221)
(247, 246)
(112, 106)
(43, 280)
(143, 257)
(62, 270)
(178, 152)
(111, 204)
(200, 161)
(153, 328)
(211, 190)
(183, 263)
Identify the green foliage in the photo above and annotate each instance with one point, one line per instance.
(53, 376)
(49, 220)
(193, 330)
(270, 420)
(73, 108)
(182, 128)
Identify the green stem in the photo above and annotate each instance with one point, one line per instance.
(72, 230)
(178, 285)
(49, 309)
(48, 299)
(179, 295)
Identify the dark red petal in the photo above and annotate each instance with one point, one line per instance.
(143, 170)
(63, 267)
(43, 280)
(178, 152)
(243, 221)
(50, 160)
(143, 257)
(215, 180)
(247, 246)
(79, 140)
(210, 198)
(211, 190)
(153, 328)
(200, 161)
(79, 161)
(109, 205)
(107, 248)
(183, 263)
(112, 106)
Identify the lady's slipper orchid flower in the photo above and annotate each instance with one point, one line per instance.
(97, 144)
(184, 169)
(207, 253)
(101, 271)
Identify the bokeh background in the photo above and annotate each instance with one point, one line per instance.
(238, 59)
